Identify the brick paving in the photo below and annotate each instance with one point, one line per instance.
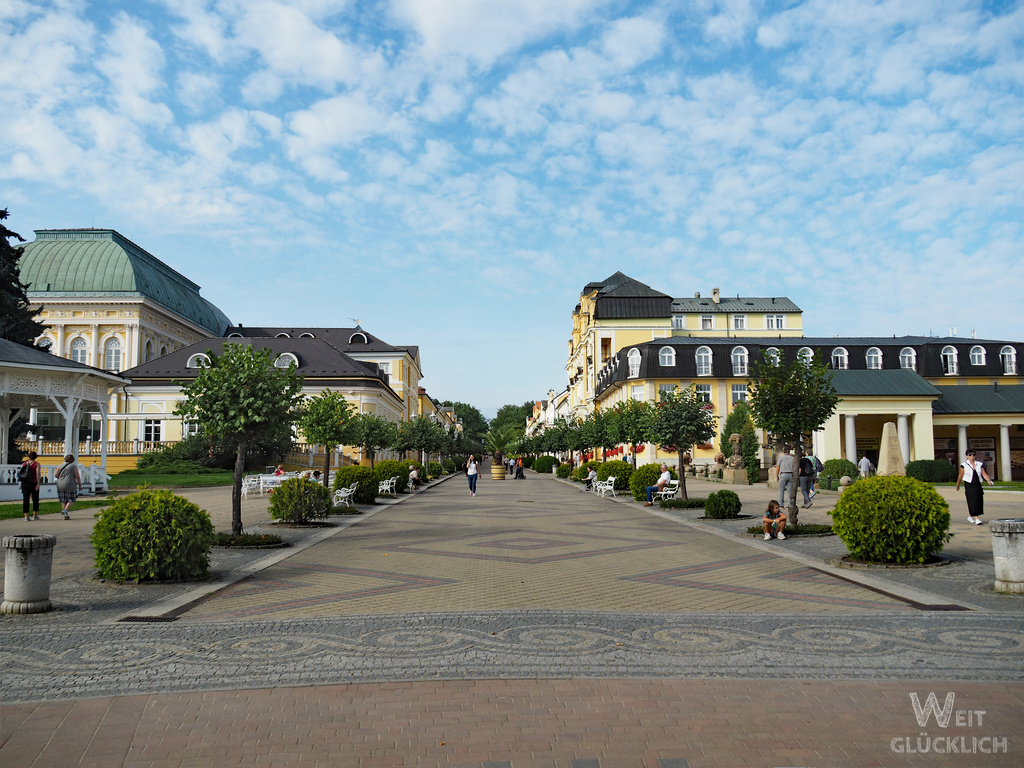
(530, 626)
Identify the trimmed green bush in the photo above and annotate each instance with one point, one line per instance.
(695, 503)
(620, 470)
(152, 536)
(563, 470)
(891, 520)
(171, 468)
(246, 540)
(385, 470)
(434, 469)
(837, 468)
(366, 491)
(300, 501)
(449, 466)
(410, 463)
(722, 505)
(932, 471)
(645, 476)
(528, 462)
(543, 464)
(579, 475)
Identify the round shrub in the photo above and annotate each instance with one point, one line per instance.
(620, 470)
(837, 468)
(449, 466)
(543, 464)
(645, 476)
(528, 462)
(434, 469)
(891, 520)
(563, 470)
(366, 491)
(410, 463)
(579, 475)
(152, 536)
(932, 471)
(722, 505)
(300, 501)
(385, 470)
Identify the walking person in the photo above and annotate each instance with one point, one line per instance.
(784, 473)
(806, 470)
(30, 476)
(866, 467)
(69, 484)
(971, 474)
(472, 473)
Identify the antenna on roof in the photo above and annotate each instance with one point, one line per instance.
(354, 320)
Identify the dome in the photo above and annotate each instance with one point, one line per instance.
(101, 262)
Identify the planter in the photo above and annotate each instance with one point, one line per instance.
(1008, 553)
(28, 561)
(497, 471)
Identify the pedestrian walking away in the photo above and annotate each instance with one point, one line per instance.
(806, 471)
(69, 485)
(784, 472)
(472, 473)
(30, 477)
(971, 474)
(865, 466)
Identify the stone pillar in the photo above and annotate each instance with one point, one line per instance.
(1007, 552)
(28, 562)
(60, 340)
(96, 356)
(903, 430)
(961, 443)
(1005, 471)
(851, 437)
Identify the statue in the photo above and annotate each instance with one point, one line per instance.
(735, 461)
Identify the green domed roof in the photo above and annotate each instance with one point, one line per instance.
(100, 262)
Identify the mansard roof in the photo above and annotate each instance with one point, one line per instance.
(348, 340)
(734, 305)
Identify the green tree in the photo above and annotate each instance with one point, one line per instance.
(420, 435)
(243, 397)
(514, 415)
(790, 402)
(739, 421)
(371, 433)
(17, 321)
(634, 420)
(681, 420)
(324, 420)
(474, 426)
(499, 441)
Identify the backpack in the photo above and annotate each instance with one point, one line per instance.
(818, 466)
(25, 473)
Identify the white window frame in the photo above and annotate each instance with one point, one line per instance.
(112, 355)
(636, 392)
(633, 358)
(908, 354)
(703, 392)
(775, 322)
(678, 322)
(840, 359)
(740, 361)
(950, 361)
(199, 360)
(873, 359)
(288, 357)
(665, 388)
(739, 393)
(79, 350)
(773, 356)
(977, 355)
(739, 322)
(805, 355)
(152, 431)
(1008, 359)
(707, 322)
(705, 361)
(666, 357)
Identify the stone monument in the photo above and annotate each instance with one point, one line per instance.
(735, 472)
(890, 457)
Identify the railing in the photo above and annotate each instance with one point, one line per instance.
(92, 447)
(92, 476)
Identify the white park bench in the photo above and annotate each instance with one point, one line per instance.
(605, 486)
(668, 492)
(345, 495)
(388, 487)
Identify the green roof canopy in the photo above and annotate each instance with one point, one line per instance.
(101, 262)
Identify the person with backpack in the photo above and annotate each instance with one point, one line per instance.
(69, 484)
(30, 476)
(806, 477)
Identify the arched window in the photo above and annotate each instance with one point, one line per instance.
(360, 338)
(199, 361)
(79, 350)
(840, 359)
(667, 357)
(805, 355)
(234, 335)
(1008, 357)
(739, 361)
(149, 351)
(949, 361)
(771, 355)
(703, 361)
(163, 351)
(282, 336)
(634, 362)
(977, 355)
(306, 336)
(285, 359)
(873, 358)
(908, 359)
(45, 345)
(112, 355)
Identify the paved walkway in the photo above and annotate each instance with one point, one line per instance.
(532, 625)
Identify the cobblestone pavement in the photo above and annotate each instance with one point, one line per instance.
(531, 626)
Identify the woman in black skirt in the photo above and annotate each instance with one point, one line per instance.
(971, 474)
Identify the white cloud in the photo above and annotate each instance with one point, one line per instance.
(133, 64)
(732, 21)
(629, 42)
(197, 90)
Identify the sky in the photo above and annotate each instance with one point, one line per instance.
(451, 174)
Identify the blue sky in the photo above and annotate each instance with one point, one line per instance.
(453, 173)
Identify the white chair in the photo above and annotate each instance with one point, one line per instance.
(388, 487)
(605, 486)
(345, 495)
(250, 483)
(668, 492)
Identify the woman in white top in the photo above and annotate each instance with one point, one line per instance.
(472, 473)
(971, 474)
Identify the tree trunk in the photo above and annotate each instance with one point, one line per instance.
(371, 452)
(682, 475)
(236, 491)
(793, 513)
(327, 464)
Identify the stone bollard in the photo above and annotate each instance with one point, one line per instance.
(1008, 552)
(28, 562)
(845, 482)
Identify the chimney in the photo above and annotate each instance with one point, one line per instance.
(715, 296)
(696, 294)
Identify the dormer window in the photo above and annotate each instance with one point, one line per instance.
(306, 336)
(949, 361)
(805, 355)
(634, 362)
(840, 359)
(1008, 357)
(908, 359)
(286, 359)
(282, 336)
(739, 361)
(358, 338)
(771, 356)
(667, 357)
(977, 355)
(704, 361)
(199, 361)
(873, 359)
(234, 335)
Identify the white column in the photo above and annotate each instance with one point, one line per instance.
(103, 444)
(851, 437)
(97, 360)
(1005, 472)
(60, 341)
(903, 432)
(961, 442)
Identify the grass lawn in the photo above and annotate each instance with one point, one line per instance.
(10, 511)
(1015, 485)
(173, 481)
